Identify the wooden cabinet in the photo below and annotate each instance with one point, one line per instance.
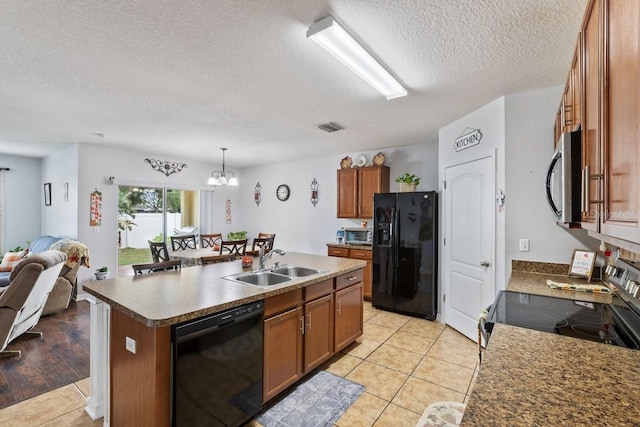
(610, 99)
(348, 315)
(356, 187)
(621, 120)
(318, 324)
(300, 329)
(364, 254)
(282, 343)
(591, 145)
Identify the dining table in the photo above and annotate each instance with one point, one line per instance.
(191, 257)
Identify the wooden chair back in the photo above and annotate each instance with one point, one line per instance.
(139, 269)
(159, 251)
(271, 236)
(182, 242)
(210, 240)
(233, 247)
(214, 259)
(260, 242)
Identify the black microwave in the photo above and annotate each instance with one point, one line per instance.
(563, 183)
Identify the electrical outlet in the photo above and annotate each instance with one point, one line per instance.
(130, 344)
(524, 245)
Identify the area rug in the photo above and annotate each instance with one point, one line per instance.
(319, 401)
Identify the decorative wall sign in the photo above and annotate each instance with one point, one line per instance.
(257, 194)
(468, 139)
(166, 167)
(314, 192)
(95, 211)
(582, 264)
(47, 194)
(227, 209)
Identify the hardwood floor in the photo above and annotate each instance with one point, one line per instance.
(61, 357)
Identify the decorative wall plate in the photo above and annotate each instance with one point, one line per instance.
(378, 159)
(346, 163)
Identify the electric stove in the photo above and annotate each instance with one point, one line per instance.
(616, 323)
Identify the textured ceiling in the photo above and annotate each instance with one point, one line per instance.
(183, 78)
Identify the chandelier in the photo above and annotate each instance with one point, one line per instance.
(222, 177)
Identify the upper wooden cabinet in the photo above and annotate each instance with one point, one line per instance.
(356, 187)
(607, 106)
(591, 138)
(620, 120)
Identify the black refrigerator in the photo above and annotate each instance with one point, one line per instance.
(405, 253)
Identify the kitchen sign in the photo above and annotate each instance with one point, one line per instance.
(468, 139)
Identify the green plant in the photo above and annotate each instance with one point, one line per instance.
(237, 235)
(102, 269)
(408, 179)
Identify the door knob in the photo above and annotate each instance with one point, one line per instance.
(485, 264)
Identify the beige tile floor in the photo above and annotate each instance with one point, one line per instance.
(405, 364)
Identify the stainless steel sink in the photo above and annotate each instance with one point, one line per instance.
(295, 271)
(260, 278)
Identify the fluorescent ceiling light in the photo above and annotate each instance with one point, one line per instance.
(335, 39)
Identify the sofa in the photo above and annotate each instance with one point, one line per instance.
(65, 287)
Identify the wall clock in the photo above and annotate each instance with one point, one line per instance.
(283, 192)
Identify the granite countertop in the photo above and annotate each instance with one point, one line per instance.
(344, 245)
(536, 378)
(167, 298)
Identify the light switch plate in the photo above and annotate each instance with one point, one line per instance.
(130, 344)
(524, 245)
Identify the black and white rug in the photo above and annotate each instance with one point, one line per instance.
(319, 401)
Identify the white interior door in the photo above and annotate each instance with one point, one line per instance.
(469, 249)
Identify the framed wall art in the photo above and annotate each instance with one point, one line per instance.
(47, 194)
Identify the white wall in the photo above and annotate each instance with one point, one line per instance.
(529, 147)
(490, 119)
(23, 199)
(95, 165)
(298, 225)
(61, 218)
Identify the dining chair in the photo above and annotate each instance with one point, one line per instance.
(236, 248)
(159, 251)
(214, 259)
(180, 243)
(174, 264)
(210, 240)
(272, 236)
(260, 242)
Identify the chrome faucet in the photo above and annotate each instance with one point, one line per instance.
(266, 257)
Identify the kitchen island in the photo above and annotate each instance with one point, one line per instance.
(532, 378)
(143, 309)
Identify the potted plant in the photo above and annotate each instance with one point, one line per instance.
(237, 235)
(102, 272)
(408, 182)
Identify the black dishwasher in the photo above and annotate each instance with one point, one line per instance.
(217, 368)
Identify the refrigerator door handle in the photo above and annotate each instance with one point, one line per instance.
(394, 238)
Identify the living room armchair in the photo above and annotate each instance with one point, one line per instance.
(22, 303)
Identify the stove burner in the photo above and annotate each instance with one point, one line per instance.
(603, 333)
(535, 320)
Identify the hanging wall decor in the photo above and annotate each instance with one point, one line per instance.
(95, 213)
(166, 167)
(257, 194)
(227, 208)
(47, 194)
(314, 192)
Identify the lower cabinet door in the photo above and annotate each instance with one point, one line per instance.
(348, 315)
(318, 332)
(282, 352)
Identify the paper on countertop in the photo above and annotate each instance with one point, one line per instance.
(596, 289)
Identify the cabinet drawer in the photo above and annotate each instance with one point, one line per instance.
(360, 254)
(341, 252)
(279, 303)
(348, 279)
(318, 290)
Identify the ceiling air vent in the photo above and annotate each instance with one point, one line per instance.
(330, 127)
